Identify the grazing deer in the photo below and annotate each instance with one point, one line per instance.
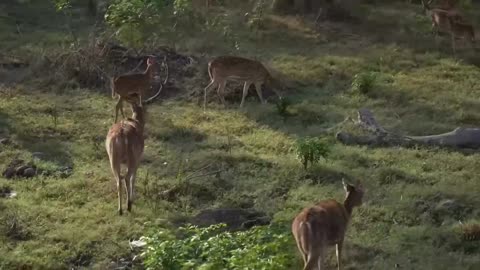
(323, 225)
(461, 30)
(136, 83)
(224, 68)
(440, 17)
(125, 145)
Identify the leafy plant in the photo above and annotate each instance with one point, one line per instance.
(364, 82)
(311, 150)
(282, 107)
(62, 4)
(211, 248)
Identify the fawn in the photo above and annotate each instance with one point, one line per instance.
(224, 68)
(128, 84)
(125, 144)
(323, 225)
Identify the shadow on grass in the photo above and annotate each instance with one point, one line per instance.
(48, 145)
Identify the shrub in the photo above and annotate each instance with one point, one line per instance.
(364, 82)
(282, 107)
(208, 248)
(310, 150)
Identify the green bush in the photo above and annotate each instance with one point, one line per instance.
(265, 247)
(310, 150)
(282, 107)
(364, 82)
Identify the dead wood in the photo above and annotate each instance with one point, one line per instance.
(461, 138)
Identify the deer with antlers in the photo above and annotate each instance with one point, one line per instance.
(323, 225)
(125, 144)
(135, 84)
(225, 68)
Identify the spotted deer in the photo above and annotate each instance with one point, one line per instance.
(125, 144)
(225, 68)
(440, 17)
(135, 83)
(323, 225)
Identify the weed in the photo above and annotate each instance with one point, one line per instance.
(282, 106)
(364, 82)
(53, 112)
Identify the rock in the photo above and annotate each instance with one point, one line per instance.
(29, 172)
(21, 170)
(9, 173)
(235, 218)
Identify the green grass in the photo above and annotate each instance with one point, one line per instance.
(419, 89)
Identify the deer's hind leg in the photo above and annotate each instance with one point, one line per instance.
(314, 261)
(316, 254)
(258, 87)
(245, 92)
(212, 83)
(339, 248)
(127, 183)
(116, 174)
(221, 92)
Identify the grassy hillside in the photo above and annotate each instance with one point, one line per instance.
(415, 197)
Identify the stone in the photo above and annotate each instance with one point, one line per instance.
(9, 173)
(29, 172)
(21, 170)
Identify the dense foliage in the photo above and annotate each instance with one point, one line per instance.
(266, 247)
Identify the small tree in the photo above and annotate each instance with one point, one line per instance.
(364, 82)
(310, 150)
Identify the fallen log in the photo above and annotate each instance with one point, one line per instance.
(460, 138)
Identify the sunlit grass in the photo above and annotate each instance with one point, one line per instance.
(72, 222)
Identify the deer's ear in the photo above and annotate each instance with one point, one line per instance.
(345, 185)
